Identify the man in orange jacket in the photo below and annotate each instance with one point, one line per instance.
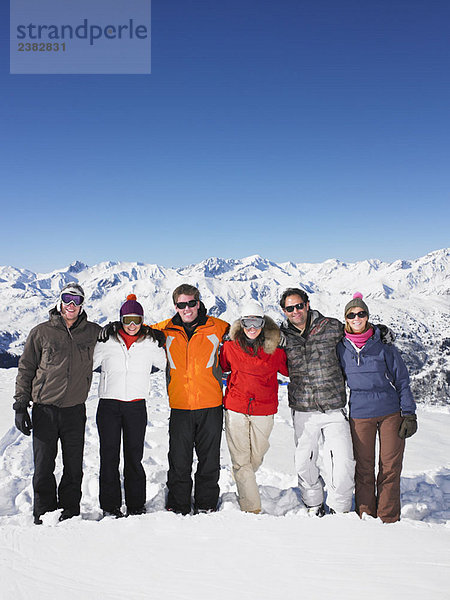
(194, 384)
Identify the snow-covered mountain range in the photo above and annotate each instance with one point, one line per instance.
(411, 297)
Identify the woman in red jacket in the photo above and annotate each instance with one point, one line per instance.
(253, 359)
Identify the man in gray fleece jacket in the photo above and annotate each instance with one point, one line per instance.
(55, 373)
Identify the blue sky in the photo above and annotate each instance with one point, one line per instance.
(296, 130)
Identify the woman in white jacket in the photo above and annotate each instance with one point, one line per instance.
(127, 360)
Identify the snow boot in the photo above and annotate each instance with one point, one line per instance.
(115, 512)
(316, 511)
(67, 513)
(136, 511)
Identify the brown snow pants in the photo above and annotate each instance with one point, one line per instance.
(384, 500)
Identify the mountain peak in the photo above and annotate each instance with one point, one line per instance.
(77, 267)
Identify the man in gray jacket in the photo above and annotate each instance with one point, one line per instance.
(55, 373)
(317, 398)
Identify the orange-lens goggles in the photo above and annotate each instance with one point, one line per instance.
(128, 319)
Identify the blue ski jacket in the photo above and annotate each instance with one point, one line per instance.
(377, 377)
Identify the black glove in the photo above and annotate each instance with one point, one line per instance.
(154, 334)
(387, 336)
(408, 426)
(23, 421)
(112, 328)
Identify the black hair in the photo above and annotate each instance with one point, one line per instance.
(293, 292)
(250, 346)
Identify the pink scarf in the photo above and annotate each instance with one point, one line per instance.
(359, 339)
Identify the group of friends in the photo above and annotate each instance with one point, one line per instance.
(320, 355)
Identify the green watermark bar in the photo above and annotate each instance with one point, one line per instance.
(83, 37)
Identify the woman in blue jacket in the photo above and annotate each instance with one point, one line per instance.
(381, 403)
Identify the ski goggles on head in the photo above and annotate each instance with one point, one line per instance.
(190, 303)
(351, 315)
(299, 306)
(72, 298)
(128, 319)
(256, 322)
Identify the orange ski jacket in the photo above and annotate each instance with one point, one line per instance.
(194, 375)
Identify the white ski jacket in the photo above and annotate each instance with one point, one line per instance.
(125, 374)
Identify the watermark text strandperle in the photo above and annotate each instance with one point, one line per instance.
(85, 31)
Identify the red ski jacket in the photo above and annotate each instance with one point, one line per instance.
(252, 384)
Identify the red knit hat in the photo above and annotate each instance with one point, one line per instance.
(131, 307)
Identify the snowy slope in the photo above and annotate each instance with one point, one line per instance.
(231, 555)
(412, 297)
(227, 555)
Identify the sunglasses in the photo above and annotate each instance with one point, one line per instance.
(361, 314)
(72, 298)
(190, 303)
(128, 319)
(299, 306)
(256, 322)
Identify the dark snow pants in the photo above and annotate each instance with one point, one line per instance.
(188, 429)
(114, 420)
(382, 500)
(51, 424)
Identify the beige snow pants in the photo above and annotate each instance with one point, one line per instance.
(248, 441)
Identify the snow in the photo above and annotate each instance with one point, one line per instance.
(229, 554)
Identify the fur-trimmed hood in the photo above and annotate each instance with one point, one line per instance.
(271, 334)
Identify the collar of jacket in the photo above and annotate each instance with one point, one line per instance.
(370, 342)
(57, 319)
(288, 328)
(201, 319)
(271, 334)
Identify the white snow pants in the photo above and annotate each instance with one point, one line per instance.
(248, 441)
(337, 470)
